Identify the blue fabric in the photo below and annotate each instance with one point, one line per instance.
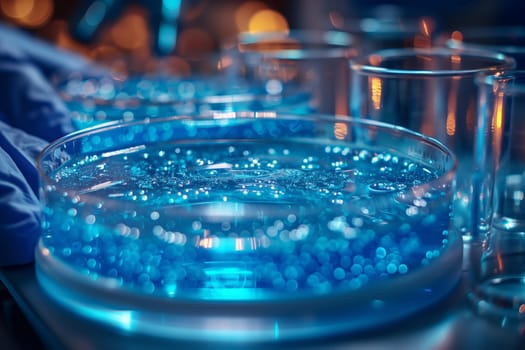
(19, 205)
(31, 115)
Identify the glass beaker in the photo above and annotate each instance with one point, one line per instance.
(313, 64)
(498, 285)
(432, 91)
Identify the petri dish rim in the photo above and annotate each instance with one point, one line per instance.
(241, 117)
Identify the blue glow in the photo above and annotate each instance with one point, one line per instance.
(171, 289)
(95, 13)
(167, 37)
(276, 330)
(228, 277)
(171, 9)
(93, 17)
(337, 38)
(122, 318)
(222, 210)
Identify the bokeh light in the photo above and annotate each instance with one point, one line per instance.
(204, 27)
(245, 12)
(131, 31)
(457, 35)
(268, 21)
(28, 13)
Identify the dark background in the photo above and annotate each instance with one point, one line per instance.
(205, 25)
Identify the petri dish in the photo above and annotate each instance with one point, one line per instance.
(205, 86)
(248, 226)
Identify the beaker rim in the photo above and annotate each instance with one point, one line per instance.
(458, 62)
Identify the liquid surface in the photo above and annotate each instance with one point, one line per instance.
(98, 100)
(245, 220)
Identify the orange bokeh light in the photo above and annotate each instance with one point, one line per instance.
(268, 21)
(375, 60)
(457, 35)
(28, 13)
(245, 12)
(131, 31)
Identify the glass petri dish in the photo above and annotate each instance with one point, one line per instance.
(247, 227)
(193, 86)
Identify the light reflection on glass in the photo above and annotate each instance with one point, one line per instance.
(376, 91)
(451, 118)
(340, 131)
(497, 124)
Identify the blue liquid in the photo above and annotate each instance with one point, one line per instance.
(246, 220)
(95, 101)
